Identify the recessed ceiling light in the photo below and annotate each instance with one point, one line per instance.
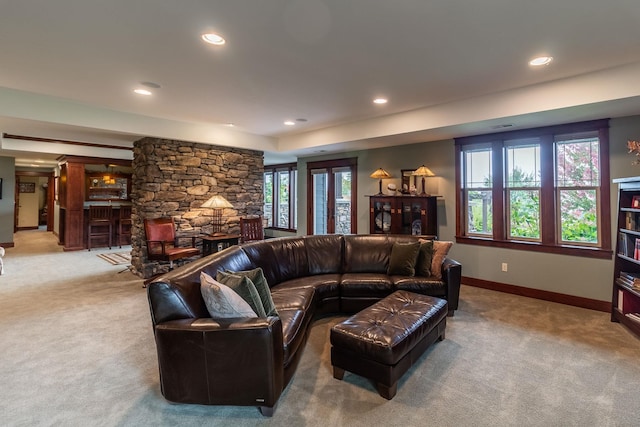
(380, 101)
(142, 92)
(289, 123)
(541, 60)
(152, 85)
(506, 125)
(213, 38)
(230, 125)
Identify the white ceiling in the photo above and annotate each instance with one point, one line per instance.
(449, 68)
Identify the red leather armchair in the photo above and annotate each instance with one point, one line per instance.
(162, 243)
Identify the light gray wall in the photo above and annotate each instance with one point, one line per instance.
(8, 175)
(571, 275)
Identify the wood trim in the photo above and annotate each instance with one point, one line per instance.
(33, 173)
(94, 161)
(572, 300)
(460, 217)
(64, 141)
(582, 251)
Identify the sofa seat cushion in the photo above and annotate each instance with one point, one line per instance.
(293, 298)
(365, 284)
(294, 329)
(326, 285)
(420, 285)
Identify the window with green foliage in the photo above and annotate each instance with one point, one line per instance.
(544, 189)
(280, 196)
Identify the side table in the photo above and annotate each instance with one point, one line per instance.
(215, 243)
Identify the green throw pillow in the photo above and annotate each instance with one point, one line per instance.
(244, 287)
(257, 277)
(403, 258)
(423, 265)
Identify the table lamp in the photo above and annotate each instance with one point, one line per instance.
(217, 203)
(423, 171)
(380, 174)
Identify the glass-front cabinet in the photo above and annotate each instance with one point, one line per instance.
(414, 215)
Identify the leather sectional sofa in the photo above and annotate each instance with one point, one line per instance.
(249, 361)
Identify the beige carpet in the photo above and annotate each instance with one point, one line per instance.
(77, 349)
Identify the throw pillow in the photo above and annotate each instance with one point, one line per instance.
(440, 251)
(257, 277)
(244, 287)
(221, 301)
(403, 258)
(425, 256)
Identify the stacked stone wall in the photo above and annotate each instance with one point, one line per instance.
(174, 178)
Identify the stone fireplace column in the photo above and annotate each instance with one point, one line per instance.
(174, 178)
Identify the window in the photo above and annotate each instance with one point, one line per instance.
(331, 186)
(280, 196)
(543, 189)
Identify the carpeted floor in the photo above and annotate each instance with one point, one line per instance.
(77, 349)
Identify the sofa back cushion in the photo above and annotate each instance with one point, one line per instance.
(324, 253)
(173, 301)
(281, 259)
(177, 294)
(366, 253)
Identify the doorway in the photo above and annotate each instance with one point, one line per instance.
(331, 200)
(33, 200)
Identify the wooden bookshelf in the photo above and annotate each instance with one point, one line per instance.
(625, 307)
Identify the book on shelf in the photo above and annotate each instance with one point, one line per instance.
(628, 283)
(631, 276)
(623, 244)
(633, 316)
(620, 300)
(630, 221)
(636, 251)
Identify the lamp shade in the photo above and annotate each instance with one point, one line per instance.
(380, 174)
(217, 202)
(423, 171)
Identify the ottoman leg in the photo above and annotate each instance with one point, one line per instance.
(387, 391)
(338, 373)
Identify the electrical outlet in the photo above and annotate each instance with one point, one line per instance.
(505, 267)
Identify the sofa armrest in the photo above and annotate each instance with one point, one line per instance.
(221, 361)
(451, 276)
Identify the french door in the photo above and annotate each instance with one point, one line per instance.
(331, 196)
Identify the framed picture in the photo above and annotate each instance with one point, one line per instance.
(635, 202)
(27, 187)
(407, 182)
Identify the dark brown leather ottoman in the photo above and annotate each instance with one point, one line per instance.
(384, 340)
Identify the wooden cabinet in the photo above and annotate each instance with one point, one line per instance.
(403, 215)
(81, 183)
(71, 197)
(625, 307)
